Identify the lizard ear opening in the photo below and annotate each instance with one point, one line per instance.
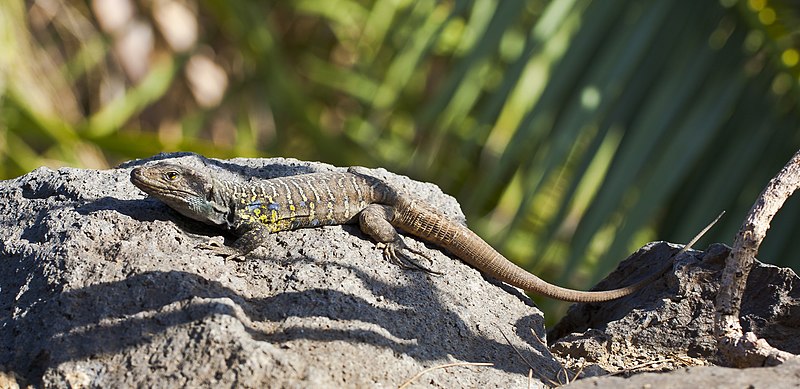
(210, 192)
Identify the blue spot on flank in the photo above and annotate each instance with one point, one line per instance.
(273, 206)
(254, 205)
(302, 203)
(314, 222)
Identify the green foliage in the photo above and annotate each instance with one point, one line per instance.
(571, 131)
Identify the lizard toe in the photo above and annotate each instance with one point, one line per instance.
(217, 247)
(394, 253)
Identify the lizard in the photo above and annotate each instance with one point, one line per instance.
(255, 208)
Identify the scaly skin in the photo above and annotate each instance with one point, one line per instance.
(256, 208)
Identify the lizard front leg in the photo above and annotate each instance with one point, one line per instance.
(216, 246)
(251, 237)
(374, 220)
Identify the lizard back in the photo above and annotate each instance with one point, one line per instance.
(306, 200)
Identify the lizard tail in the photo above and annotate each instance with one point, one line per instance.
(423, 221)
(479, 254)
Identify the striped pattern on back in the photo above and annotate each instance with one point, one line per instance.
(306, 200)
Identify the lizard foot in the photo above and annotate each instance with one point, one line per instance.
(394, 253)
(216, 246)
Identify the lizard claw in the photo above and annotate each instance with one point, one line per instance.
(217, 247)
(393, 252)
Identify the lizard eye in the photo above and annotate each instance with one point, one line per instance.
(171, 175)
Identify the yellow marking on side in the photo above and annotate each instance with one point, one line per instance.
(303, 198)
(244, 215)
(273, 216)
(312, 206)
(289, 201)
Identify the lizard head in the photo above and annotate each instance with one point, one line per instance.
(189, 191)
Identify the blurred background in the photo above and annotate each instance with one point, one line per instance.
(571, 131)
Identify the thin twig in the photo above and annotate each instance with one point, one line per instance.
(420, 374)
(563, 368)
(700, 234)
(515, 348)
(641, 365)
(530, 378)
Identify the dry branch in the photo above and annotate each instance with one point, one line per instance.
(736, 347)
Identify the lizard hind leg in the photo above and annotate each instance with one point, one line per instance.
(374, 221)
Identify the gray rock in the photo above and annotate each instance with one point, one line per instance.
(102, 287)
(707, 377)
(670, 324)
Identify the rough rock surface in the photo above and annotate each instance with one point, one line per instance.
(706, 377)
(101, 286)
(670, 324)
